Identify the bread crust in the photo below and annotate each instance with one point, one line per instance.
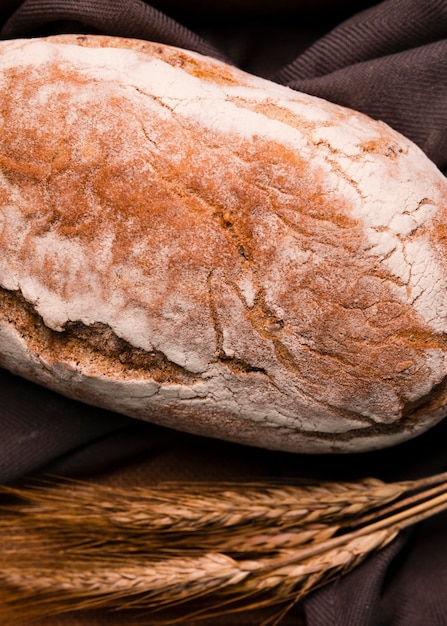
(198, 247)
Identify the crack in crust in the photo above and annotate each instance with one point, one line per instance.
(235, 364)
(78, 342)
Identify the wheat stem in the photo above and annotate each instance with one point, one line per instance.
(396, 522)
(403, 503)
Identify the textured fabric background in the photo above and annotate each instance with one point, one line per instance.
(389, 61)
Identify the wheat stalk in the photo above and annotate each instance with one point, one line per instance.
(180, 550)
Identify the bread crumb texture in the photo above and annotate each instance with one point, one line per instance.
(198, 247)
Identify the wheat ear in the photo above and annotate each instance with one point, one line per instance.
(178, 551)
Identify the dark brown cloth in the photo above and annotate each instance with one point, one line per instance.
(389, 61)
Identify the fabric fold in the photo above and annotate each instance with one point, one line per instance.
(132, 18)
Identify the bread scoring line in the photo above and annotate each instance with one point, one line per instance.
(212, 384)
(14, 348)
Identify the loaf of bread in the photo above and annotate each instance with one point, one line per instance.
(194, 246)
